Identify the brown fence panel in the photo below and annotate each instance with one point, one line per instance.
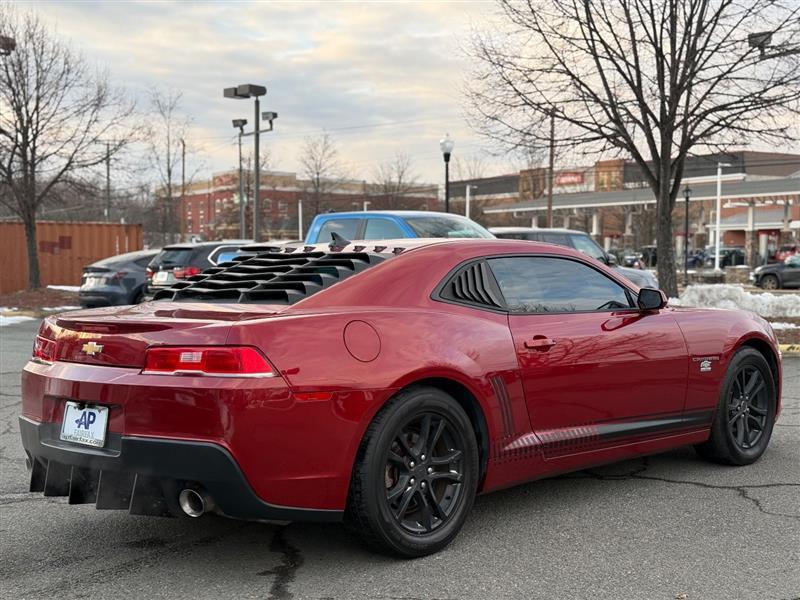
(65, 247)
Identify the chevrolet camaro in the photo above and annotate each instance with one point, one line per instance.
(384, 384)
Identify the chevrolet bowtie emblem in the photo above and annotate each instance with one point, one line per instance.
(91, 348)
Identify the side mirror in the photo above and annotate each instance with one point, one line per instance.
(611, 260)
(651, 299)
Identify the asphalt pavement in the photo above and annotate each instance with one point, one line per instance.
(668, 527)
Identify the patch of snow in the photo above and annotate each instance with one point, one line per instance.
(14, 320)
(60, 308)
(64, 288)
(8, 309)
(778, 325)
(734, 296)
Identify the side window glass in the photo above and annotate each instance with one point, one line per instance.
(382, 229)
(555, 238)
(347, 228)
(538, 284)
(585, 244)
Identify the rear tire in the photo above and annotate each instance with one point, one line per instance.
(745, 414)
(415, 475)
(770, 282)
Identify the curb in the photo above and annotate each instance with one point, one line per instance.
(789, 349)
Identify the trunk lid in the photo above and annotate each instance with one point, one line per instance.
(119, 336)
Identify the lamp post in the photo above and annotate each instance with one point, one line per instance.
(446, 145)
(687, 194)
(719, 209)
(242, 92)
(239, 124)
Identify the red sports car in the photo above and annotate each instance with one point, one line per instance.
(384, 384)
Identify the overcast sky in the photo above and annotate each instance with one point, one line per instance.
(381, 77)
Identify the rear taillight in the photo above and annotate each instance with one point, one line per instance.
(222, 361)
(184, 272)
(44, 350)
(148, 273)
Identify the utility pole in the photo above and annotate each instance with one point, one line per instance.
(108, 182)
(183, 184)
(257, 176)
(550, 169)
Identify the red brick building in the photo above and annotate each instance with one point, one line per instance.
(210, 209)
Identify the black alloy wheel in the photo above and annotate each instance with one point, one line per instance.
(745, 413)
(747, 407)
(415, 475)
(424, 473)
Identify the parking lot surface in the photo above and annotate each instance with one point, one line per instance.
(669, 526)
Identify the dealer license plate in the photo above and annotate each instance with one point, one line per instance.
(84, 424)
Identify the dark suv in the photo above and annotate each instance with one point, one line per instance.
(581, 241)
(180, 261)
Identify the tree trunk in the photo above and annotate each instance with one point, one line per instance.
(667, 280)
(34, 280)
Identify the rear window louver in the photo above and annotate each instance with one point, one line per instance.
(474, 284)
(271, 277)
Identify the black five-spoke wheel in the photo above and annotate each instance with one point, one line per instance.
(415, 475)
(747, 407)
(424, 472)
(745, 413)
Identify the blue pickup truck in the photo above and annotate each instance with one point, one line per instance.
(390, 225)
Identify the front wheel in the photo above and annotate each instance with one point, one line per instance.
(770, 282)
(746, 411)
(415, 475)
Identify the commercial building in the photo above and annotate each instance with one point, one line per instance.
(209, 209)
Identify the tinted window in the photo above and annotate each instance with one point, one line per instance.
(517, 236)
(144, 261)
(347, 228)
(555, 238)
(446, 227)
(382, 229)
(172, 257)
(542, 285)
(588, 246)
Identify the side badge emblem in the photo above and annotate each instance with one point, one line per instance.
(705, 366)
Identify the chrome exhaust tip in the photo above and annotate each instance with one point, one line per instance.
(193, 503)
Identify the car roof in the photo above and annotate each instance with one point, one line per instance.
(536, 229)
(127, 256)
(192, 245)
(392, 213)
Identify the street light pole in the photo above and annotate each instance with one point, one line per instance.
(446, 145)
(240, 123)
(717, 240)
(687, 193)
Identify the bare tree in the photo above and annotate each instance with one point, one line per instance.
(472, 166)
(168, 151)
(320, 168)
(395, 180)
(58, 116)
(655, 81)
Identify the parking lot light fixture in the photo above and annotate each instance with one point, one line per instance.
(446, 145)
(242, 92)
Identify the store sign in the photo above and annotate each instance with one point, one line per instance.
(569, 178)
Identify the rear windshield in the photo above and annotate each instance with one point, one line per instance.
(172, 257)
(446, 227)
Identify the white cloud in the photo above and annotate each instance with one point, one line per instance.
(381, 77)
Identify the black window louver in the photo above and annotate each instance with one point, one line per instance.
(474, 284)
(272, 277)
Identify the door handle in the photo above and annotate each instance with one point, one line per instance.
(540, 342)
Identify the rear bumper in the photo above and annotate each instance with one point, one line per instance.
(144, 475)
(102, 297)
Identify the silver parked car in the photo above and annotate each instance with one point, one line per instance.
(581, 241)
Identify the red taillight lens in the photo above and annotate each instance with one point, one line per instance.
(208, 360)
(44, 350)
(184, 272)
(148, 273)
